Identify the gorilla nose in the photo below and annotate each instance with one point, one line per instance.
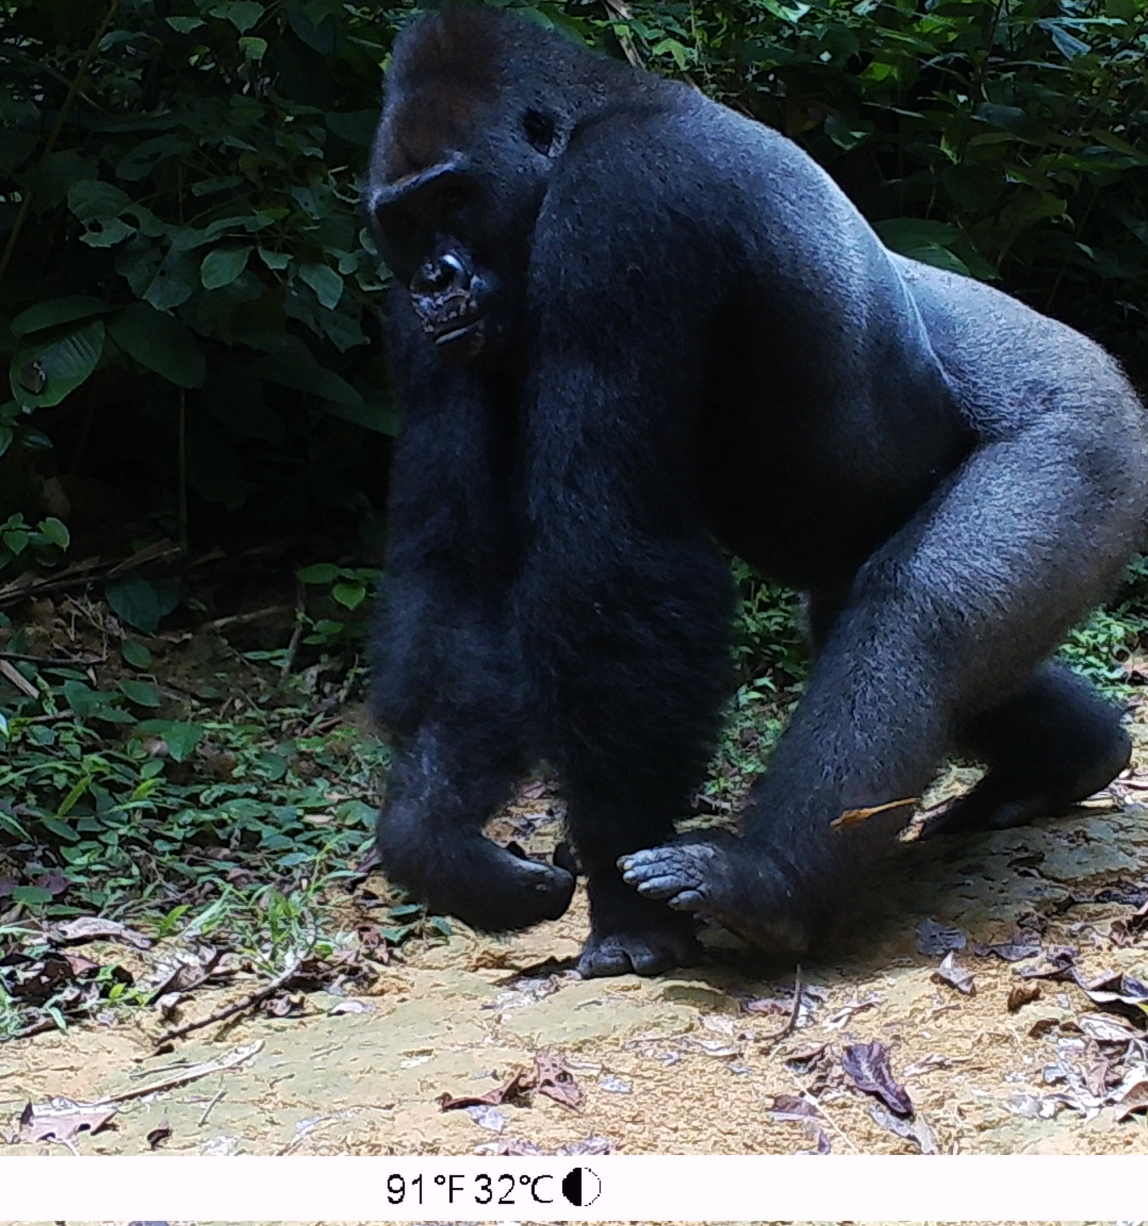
(439, 275)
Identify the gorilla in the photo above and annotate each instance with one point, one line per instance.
(629, 327)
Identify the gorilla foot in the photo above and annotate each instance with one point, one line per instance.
(650, 952)
(734, 885)
(487, 886)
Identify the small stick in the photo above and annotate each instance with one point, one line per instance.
(20, 657)
(773, 1039)
(207, 1110)
(237, 1006)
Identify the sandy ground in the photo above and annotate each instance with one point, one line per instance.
(685, 1063)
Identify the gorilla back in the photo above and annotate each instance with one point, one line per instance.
(627, 323)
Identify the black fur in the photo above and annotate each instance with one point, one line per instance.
(629, 322)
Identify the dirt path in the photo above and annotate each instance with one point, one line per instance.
(685, 1063)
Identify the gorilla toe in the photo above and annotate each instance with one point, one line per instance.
(640, 953)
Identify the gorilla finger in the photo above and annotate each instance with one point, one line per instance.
(657, 887)
(687, 900)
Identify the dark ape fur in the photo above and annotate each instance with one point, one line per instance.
(628, 322)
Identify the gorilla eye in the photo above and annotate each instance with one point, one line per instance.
(539, 130)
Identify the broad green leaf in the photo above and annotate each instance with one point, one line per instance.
(135, 653)
(174, 281)
(185, 25)
(82, 699)
(58, 311)
(142, 602)
(31, 895)
(242, 14)
(160, 342)
(349, 595)
(274, 260)
(221, 266)
(141, 693)
(62, 830)
(325, 281)
(55, 368)
(320, 572)
(56, 531)
(307, 376)
(182, 739)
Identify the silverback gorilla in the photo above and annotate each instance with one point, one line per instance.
(629, 324)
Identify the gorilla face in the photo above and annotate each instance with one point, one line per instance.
(456, 231)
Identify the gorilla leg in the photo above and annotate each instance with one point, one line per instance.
(631, 659)
(446, 675)
(1050, 745)
(447, 779)
(961, 603)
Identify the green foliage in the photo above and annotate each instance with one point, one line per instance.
(343, 607)
(114, 796)
(45, 543)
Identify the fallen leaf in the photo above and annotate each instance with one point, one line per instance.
(553, 1078)
(159, 1134)
(1016, 949)
(935, 938)
(516, 1087)
(801, 1110)
(1108, 1028)
(867, 1066)
(487, 1117)
(1022, 994)
(349, 1006)
(61, 1119)
(1134, 1098)
(93, 927)
(955, 976)
(910, 1129)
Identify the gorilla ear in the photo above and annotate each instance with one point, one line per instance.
(539, 130)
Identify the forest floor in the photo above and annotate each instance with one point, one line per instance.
(1043, 1052)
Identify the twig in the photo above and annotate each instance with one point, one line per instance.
(17, 678)
(231, 1060)
(207, 1110)
(237, 1006)
(773, 1039)
(52, 660)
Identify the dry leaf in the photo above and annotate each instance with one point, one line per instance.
(61, 1119)
(1134, 1098)
(93, 928)
(954, 976)
(159, 1134)
(855, 817)
(867, 1066)
(553, 1078)
(1022, 994)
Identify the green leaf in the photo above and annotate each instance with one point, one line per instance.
(173, 282)
(325, 281)
(142, 693)
(142, 602)
(161, 343)
(62, 830)
(82, 699)
(185, 25)
(242, 14)
(135, 653)
(275, 260)
(55, 368)
(56, 531)
(349, 595)
(31, 894)
(180, 738)
(320, 572)
(222, 266)
(305, 374)
(58, 311)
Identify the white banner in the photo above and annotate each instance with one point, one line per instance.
(592, 1189)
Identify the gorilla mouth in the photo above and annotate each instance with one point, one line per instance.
(450, 333)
